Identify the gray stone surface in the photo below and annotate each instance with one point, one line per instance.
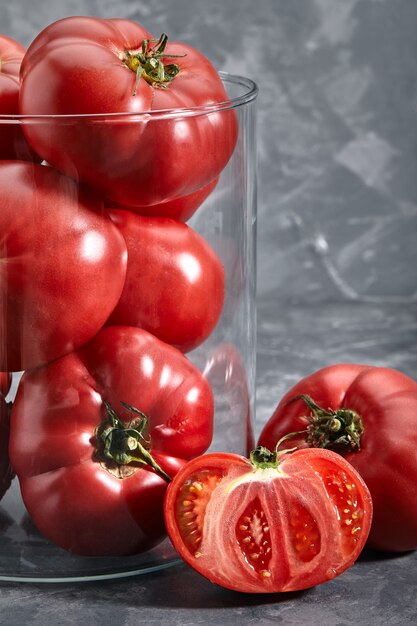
(337, 276)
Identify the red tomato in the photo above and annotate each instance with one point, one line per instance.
(12, 141)
(63, 265)
(178, 209)
(268, 525)
(373, 407)
(228, 376)
(5, 382)
(174, 284)
(88, 65)
(77, 496)
(6, 472)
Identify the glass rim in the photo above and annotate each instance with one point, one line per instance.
(250, 94)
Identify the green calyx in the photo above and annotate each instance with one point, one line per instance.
(340, 430)
(262, 458)
(147, 62)
(125, 444)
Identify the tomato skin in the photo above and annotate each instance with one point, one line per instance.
(5, 383)
(12, 141)
(71, 497)
(63, 265)
(79, 62)
(386, 400)
(182, 208)
(268, 530)
(174, 285)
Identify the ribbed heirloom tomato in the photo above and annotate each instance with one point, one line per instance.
(82, 457)
(88, 65)
(279, 522)
(63, 265)
(369, 415)
(174, 285)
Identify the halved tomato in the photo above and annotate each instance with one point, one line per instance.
(277, 522)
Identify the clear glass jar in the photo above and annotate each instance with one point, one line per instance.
(87, 331)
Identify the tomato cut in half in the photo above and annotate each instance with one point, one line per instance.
(277, 522)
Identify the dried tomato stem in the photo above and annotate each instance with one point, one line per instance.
(339, 430)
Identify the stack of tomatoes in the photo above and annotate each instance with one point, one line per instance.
(105, 286)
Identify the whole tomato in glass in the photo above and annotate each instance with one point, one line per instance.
(174, 285)
(108, 68)
(6, 471)
(12, 141)
(96, 434)
(276, 522)
(369, 415)
(63, 265)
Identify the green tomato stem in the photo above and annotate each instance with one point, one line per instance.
(123, 443)
(146, 63)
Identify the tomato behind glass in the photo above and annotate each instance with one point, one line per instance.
(63, 265)
(258, 526)
(12, 141)
(76, 426)
(174, 285)
(89, 65)
(182, 208)
(369, 415)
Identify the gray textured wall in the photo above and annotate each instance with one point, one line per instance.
(337, 147)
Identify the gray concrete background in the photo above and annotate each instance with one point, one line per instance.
(337, 280)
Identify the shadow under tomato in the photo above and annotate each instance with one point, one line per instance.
(371, 555)
(171, 591)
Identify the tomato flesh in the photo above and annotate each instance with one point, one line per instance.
(269, 529)
(191, 507)
(254, 538)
